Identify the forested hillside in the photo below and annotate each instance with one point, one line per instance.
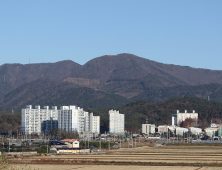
(47, 92)
(10, 120)
(136, 112)
(154, 94)
(160, 113)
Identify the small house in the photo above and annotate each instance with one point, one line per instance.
(71, 143)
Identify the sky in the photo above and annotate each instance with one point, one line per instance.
(187, 33)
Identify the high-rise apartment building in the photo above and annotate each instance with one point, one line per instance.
(68, 118)
(37, 120)
(73, 118)
(116, 122)
(94, 124)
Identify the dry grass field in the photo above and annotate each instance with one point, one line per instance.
(155, 158)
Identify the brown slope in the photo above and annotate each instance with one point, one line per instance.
(121, 67)
(33, 90)
(131, 67)
(125, 74)
(49, 92)
(128, 75)
(18, 74)
(191, 76)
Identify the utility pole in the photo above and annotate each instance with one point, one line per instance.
(183, 138)
(47, 145)
(100, 144)
(167, 136)
(85, 144)
(120, 143)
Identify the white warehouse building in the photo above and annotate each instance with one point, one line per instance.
(181, 131)
(179, 117)
(116, 122)
(162, 128)
(195, 131)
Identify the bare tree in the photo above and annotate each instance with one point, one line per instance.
(63, 134)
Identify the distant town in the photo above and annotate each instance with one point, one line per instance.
(70, 129)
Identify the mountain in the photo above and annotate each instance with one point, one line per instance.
(129, 75)
(15, 75)
(154, 94)
(125, 74)
(49, 92)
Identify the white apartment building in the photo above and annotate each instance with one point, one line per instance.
(179, 117)
(69, 118)
(148, 129)
(116, 122)
(37, 120)
(94, 124)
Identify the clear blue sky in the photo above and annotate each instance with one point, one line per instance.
(173, 32)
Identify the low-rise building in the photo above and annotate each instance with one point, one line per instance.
(181, 131)
(195, 131)
(69, 150)
(148, 129)
(220, 130)
(211, 131)
(71, 143)
(172, 128)
(179, 117)
(162, 128)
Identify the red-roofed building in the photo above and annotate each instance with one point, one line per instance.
(72, 143)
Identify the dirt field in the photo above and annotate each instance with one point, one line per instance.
(111, 167)
(164, 157)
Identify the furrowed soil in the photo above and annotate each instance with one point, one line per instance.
(163, 157)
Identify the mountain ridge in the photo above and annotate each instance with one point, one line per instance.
(124, 74)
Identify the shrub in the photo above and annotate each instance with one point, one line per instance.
(43, 149)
